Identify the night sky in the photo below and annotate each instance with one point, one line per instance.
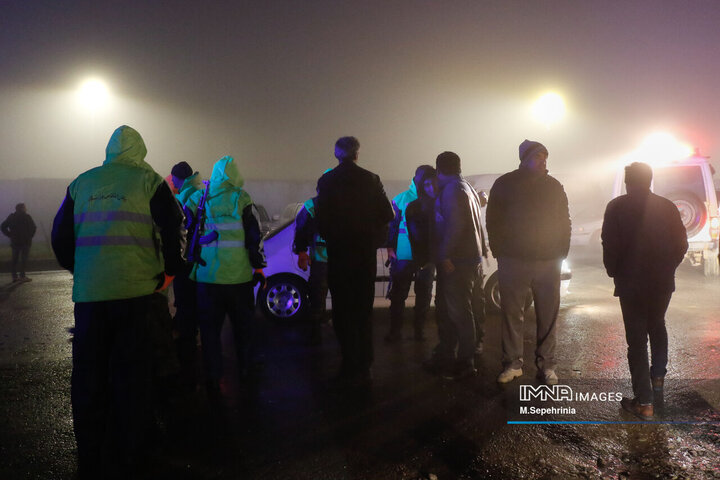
(274, 83)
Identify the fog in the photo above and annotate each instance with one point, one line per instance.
(275, 83)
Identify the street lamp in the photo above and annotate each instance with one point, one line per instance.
(549, 108)
(93, 94)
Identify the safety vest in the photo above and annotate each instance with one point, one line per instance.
(227, 258)
(320, 247)
(117, 253)
(402, 200)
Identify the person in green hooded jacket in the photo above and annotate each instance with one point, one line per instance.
(232, 262)
(120, 232)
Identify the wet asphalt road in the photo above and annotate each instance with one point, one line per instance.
(291, 424)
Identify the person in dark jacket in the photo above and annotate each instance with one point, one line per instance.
(353, 215)
(528, 226)
(19, 226)
(644, 241)
(185, 321)
(404, 268)
(120, 232)
(459, 245)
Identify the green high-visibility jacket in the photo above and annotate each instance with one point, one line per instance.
(117, 247)
(403, 249)
(227, 259)
(190, 185)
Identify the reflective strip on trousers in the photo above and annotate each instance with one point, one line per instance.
(112, 217)
(114, 240)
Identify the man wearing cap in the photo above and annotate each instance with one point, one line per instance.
(185, 322)
(528, 226)
(459, 243)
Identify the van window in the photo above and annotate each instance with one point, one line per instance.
(687, 178)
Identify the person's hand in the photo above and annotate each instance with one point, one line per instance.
(303, 261)
(447, 266)
(259, 278)
(164, 282)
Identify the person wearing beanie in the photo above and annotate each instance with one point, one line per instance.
(404, 269)
(458, 248)
(528, 224)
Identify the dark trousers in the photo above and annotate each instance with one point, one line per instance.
(351, 277)
(318, 284)
(478, 302)
(402, 274)
(214, 302)
(19, 259)
(185, 324)
(454, 311)
(111, 386)
(644, 316)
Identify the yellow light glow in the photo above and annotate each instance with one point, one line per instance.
(549, 108)
(660, 148)
(93, 94)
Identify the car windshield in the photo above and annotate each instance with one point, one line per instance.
(278, 228)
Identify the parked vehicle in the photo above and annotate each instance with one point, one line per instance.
(285, 296)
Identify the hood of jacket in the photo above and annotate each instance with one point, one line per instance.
(225, 174)
(126, 146)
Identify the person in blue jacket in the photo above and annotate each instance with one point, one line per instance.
(404, 269)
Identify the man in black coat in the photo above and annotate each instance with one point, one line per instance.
(528, 225)
(19, 226)
(353, 213)
(644, 241)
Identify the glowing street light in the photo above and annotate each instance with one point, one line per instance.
(93, 94)
(549, 108)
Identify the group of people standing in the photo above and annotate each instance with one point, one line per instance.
(123, 233)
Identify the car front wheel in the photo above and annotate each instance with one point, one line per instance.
(284, 298)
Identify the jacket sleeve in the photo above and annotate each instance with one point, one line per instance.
(168, 216)
(678, 236)
(5, 227)
(253, 238)
(394, 227)
(383, 214)
(33, 227)
(455, 210)
(303, 231)
(62, 237)
(494, 214)
(564, 223)
(610, 241)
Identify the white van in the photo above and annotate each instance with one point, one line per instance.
(688, 183)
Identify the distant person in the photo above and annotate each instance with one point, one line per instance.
(459, 245)
(353, 213)
(120, 232)
(232, 264)
(19, 226)
(528, 226)
(185, 323)
(404, 268)
(644, 241)
(311, 250)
